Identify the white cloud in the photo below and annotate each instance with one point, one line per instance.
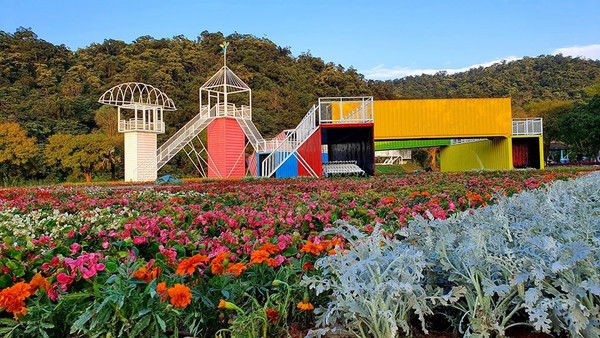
(589, 52)
(382, 73)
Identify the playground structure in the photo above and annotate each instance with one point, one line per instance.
(338, 136)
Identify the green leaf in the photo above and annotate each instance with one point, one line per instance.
(8, 322)
(140, 326)
(142, 313)
(5, 281)
(161, 323)
(79, 324)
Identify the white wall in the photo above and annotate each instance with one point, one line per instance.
(140, 157)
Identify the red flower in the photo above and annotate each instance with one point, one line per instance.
(272, 315)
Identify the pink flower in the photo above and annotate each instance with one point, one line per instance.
(105, 245)
(137, 240)
(64, 279)
(283, 241)
(71, 234)
(52, 292)
(277, 261)
(75, 247)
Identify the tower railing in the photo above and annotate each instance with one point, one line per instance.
(229, 110)
(288, 146)
(527, 126)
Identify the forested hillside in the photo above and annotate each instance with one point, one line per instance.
(50, 90)
(551, 77)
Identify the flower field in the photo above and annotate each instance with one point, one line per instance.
(206, 258)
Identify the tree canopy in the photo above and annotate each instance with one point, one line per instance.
(49, 89)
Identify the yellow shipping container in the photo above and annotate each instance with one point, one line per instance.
(442, 118)
(494, 154)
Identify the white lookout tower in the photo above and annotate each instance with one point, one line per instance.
(140, 110)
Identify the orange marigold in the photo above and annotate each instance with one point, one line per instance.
(219, 262)
(161, 289)
(305, 306)
(189, 265)
(236, 269)
(259, 256)
(313, 248)
(270, 248)
(180, 295)
(37, 281)
(12, 299)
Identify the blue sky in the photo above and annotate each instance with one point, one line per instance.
(381, 39)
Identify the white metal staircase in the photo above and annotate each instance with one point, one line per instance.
(288, 147)
(252, 134)
(184, 136)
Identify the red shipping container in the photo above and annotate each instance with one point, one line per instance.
(226, 146)
(310, 151)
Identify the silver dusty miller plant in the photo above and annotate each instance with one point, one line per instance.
(536, 253)
(376, 286)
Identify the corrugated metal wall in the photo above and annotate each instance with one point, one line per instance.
(140, 157)
(226, 141)
(528, 152)
(495, 154)
(289, 168)
(442, 118)
(311, 153)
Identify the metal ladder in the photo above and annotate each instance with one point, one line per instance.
(289, 146)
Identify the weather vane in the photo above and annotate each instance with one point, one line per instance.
(224, 47)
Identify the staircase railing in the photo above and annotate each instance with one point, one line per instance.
(253, 135)
(295, 138)
(184, 135)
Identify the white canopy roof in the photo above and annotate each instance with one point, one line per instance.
(225, 81)
(132, 93)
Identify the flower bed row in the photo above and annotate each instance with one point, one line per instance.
(86, 261)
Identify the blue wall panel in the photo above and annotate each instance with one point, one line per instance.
(288, 169)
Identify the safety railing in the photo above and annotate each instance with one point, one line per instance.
(229, 110)
(141, 125)
(527, 126)
(294, 139)
(346, 110)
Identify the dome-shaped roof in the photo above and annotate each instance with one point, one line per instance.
(136, 93)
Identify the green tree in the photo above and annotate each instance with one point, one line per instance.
(581, 128)
(551, 111)
(16, 150)
(78, 153)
